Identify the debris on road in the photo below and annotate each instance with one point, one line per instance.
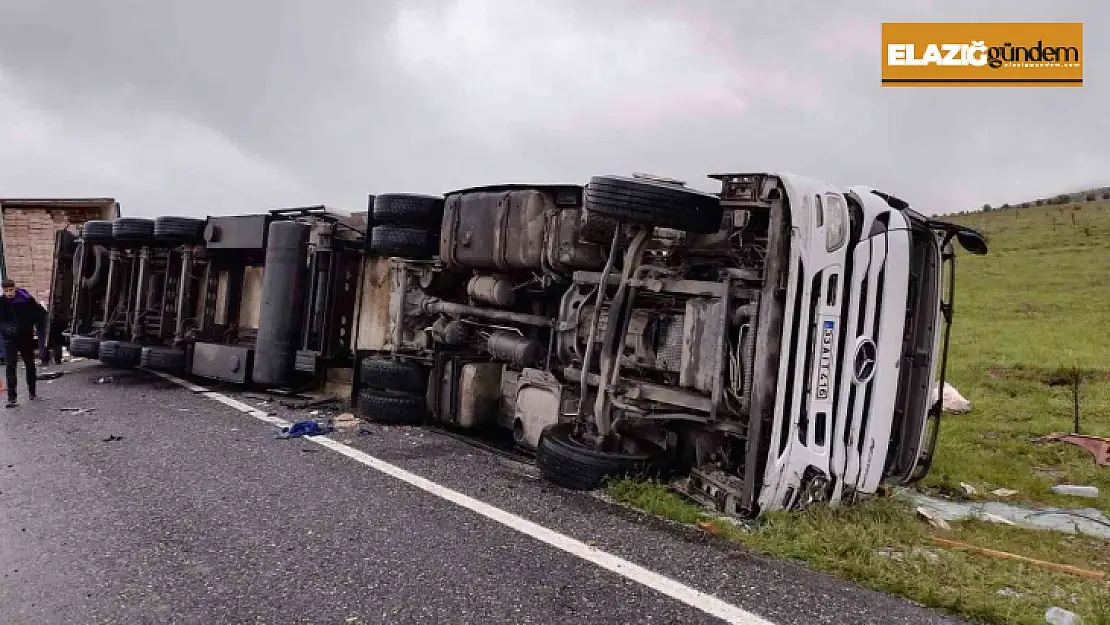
(952, 401)
(104, 380)
(307, 427)
(932, 518)
(112, 437)
(1068, 520)
(308, 403)
(344, 421)
(1060, 616)
(1099, 446)
(73, 410)
(897, 556)
(1005, 555)
(709, 527)
(1075, 491)
(49, 375)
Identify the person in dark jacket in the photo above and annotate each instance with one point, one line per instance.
(20, 314)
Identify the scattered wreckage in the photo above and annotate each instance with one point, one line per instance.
(776, 343)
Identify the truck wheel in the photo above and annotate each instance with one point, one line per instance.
(648, 203)
(394, 375)
(403, 242)
(95, 266)
(564, 461)
(179, 229)
(84, 346)
(399, 209)
(133, 230)
(380, 407)
(120, 354)
(97, 231)
(164, 359)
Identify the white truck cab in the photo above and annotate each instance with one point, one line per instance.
(877, 424)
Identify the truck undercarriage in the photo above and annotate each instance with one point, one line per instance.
(635, 326)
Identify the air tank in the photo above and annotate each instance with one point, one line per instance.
(491, 290)
(514, 348)
(283, 291)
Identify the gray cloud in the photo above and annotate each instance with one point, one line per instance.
(224, 107)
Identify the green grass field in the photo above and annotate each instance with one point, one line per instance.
(1026, 317)
(1036, 306)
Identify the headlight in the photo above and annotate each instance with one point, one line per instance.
(836, 223)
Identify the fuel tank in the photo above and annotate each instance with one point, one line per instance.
(283, 291)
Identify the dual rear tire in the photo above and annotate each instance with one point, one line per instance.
(84, 347)
(125, 355)
(163, 359)
(120, 354)
(139, 231)
(405, 226)
(392, 391)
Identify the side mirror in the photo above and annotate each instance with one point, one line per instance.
(972, 241)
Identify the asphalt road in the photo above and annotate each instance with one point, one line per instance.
(158, 504)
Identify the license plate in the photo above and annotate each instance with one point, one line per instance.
(824, 366)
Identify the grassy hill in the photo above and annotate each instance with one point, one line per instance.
(1027, 314)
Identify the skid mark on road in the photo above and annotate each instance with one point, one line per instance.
(660, 583)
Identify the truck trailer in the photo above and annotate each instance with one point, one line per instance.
(250, 299)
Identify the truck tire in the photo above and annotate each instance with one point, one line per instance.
(568, 463)
(84, 346)
(133, 230)
(164, 359)
(120, 354)
(381, 407)
(400, 209)
(403, 242)
(97, 231)
(394, 375)
(648, 203)
(179, 229)
(96, 266)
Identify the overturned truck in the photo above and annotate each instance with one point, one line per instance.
(777, 343)
(770, 345)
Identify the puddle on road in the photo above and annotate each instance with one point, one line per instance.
(1088, 521)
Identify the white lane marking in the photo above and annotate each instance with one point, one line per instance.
(672, 588)
(262, 415)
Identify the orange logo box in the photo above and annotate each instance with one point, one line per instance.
(1019, 54)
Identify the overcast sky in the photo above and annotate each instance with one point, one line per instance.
(232, 106)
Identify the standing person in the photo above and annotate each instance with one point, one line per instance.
(20, 314)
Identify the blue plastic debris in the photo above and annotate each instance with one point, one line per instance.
(307, 427)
